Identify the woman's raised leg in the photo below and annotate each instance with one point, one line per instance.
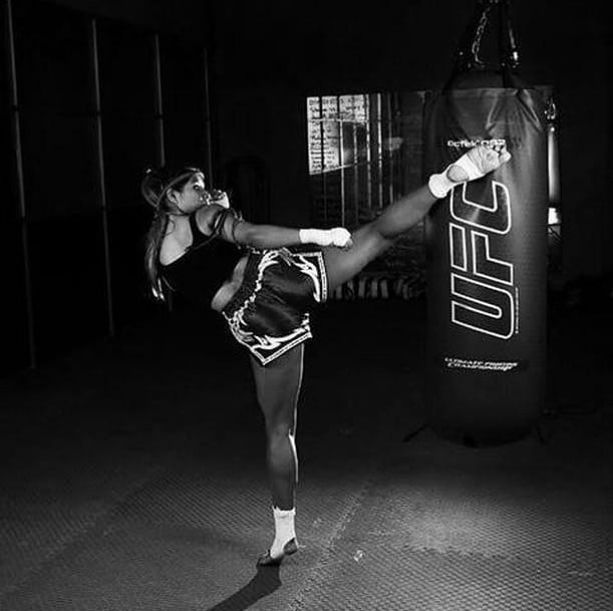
(278, 388)
(372, 239)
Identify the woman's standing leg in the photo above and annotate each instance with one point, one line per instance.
(277, 388)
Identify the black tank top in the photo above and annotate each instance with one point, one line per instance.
(206, 264)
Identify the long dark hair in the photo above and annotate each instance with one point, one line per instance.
(155, 186)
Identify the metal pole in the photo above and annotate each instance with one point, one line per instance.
(340, 157)
(159, 111)
(390, 152)
(159, 118)
(356, 166)
(208, 122)
(380, 149)
(323, 160)
(102, 180)
(368, 155)
(16, 125)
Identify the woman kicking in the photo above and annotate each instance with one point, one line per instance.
(264, 279)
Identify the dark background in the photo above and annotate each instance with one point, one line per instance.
(264, 59)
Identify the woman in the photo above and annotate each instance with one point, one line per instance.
(263, 279)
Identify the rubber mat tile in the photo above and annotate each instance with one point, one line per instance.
(384, 578)
(442, 527)
(45, 509)
(439, 506)
(153, 547)
(166, 558)
(223, 502)
(131, 569)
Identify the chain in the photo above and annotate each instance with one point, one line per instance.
(551, 110)
(474, 49)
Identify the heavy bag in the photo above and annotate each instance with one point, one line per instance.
(486, 263)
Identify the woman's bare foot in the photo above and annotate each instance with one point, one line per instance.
(477, 162)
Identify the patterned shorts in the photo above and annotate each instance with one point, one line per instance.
(269, 313)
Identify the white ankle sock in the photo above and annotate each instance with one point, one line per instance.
(284, 530)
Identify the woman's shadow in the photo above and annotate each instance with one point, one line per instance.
(263, 583)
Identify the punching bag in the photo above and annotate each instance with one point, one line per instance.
(487, 250)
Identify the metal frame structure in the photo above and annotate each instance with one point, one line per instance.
(380, 124)
(101, 177)
(16, 132)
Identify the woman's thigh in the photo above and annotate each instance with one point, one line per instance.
(342, 265)
(278, 386)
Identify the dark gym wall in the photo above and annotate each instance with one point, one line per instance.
(75, 238)
(185, 18)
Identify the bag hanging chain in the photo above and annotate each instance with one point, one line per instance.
(508, 49)
(476, 44)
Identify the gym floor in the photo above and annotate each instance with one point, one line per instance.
(132, 477)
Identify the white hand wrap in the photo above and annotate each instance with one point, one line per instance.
(338, 236)
(220, 198)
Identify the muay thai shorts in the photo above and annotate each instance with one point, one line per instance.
(269, 313)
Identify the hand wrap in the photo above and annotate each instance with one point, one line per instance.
(338, 237)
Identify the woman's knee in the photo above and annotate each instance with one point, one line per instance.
(370, 240)
(378, 234)
(278, 432)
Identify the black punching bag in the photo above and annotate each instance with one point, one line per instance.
(487, 250)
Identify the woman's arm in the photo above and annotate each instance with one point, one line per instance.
(238, 231)
(260, 236)
(272, 236)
